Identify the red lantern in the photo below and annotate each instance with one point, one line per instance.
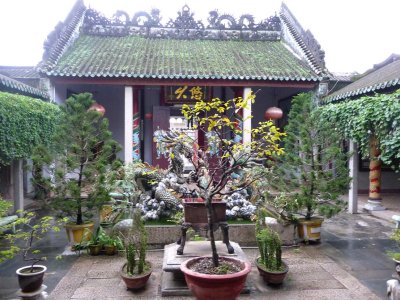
(98, 107)
(273, 113)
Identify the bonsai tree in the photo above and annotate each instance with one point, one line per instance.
(216, 119)
(28, 229)
(82, 153)
(313, 173)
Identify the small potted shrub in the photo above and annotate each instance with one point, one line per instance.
(269, 263)
(112, 244)
(30, 278)
(136, 271)
(94, 245)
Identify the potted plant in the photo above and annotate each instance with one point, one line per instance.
(112, 245)
(278, 207)
(223, 277)
(79, 158)
(28, 229)
(94, 244)
(313, 172)
(136, 271)
(269, 264)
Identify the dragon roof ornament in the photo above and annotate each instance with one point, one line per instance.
(219, 27)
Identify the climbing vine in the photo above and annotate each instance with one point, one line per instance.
(24, 123)
(369, 116)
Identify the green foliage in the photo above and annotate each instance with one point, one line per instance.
(24, 123)
(361, 119)
(277, 205)
(136, 245)
(80, 157)
(313, 173)
(395, 237)
(177, 218)
(270, 248)
(218, 120)
(29, 228)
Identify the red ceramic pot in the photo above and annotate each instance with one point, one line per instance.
(273, 278)
(205, 286)
(135, 282)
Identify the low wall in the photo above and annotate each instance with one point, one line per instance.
(158, 236)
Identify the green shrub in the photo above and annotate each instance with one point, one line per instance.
(25, 122)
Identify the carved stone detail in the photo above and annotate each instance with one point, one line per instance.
(183, 27)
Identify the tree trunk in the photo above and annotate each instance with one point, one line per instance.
(211, 226)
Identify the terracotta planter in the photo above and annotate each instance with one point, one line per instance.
(135, 282)
(205, 286)
(30, 282)
(310, 230)
(110, 249)
(94, 249)
(273, 278)
(75, 232)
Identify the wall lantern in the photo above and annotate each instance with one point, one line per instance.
(273, 113)
(98, 107)
(148, 116)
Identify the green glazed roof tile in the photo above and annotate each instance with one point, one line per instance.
(139, 57)
(383, 78)
(11, 85)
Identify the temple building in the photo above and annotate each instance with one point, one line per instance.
(142, 70)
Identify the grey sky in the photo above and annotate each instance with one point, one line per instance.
(355, 34)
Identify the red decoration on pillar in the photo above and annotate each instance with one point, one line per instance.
(273, 113)
(148, 116)
(98, 107)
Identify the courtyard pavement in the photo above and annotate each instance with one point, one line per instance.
(349, 263)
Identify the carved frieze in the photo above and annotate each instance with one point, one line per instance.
(184, 26)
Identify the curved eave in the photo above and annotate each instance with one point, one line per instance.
(186, 77)
(172, 81)
(365, 90)
(14, 86)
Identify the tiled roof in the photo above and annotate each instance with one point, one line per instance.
(343, 76)
(305, 41)
(10, 85)
(139, 57)
(64, 34)
(386, 77)
(19, 72)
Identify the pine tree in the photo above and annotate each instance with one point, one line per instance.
(313, 171)
(82, 153)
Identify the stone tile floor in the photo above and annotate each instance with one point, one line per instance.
(349, 263)
(312, 275)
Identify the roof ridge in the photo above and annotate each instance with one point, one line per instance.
(62, 36)
(305, 40)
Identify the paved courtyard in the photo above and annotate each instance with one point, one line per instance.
(349, 263)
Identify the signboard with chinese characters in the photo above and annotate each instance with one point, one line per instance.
(186, 94)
